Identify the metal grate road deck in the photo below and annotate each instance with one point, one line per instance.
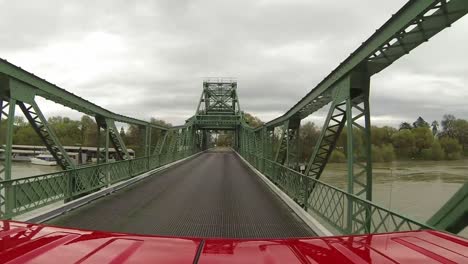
(212, 195)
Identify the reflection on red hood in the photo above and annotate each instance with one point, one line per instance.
(31, 243)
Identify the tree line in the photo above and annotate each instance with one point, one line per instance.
(419, 140)
(81, 132)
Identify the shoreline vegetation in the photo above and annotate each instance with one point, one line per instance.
(417, 141)
(81, 132)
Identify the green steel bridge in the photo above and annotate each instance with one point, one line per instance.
(255, 189)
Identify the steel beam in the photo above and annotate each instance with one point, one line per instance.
(39, 123)
(7, 113)
(54, 93)
(416, 22)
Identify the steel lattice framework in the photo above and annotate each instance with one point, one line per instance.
(271, 148)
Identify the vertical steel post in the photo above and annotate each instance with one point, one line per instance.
(147, 140)
(6, 194)
(107, 142)
(264, 147)
(350, 163)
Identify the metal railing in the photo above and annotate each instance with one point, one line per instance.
(344, 212)
(31, 193)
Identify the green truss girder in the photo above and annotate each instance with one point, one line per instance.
(346, 88)
(437, 16)
(102, 147)
(161, 143)
(401, 32)
(218, 108)
(115, 139)
(453, 215)
(7, 106)
(39, 123)
(61, 96)
(219, 97)
(325, 145)
(287, 150)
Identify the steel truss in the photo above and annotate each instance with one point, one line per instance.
(345, 89)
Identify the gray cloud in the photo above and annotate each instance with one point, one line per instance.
(148, 58)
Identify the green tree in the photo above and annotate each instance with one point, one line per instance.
(451, 147)
(405, 125)
(460, 132)
(68, 131)
(25, 135)
(447, 125)
(423, 138)
(160, 122)
(435, 127)
(308, 136)
(388, 152)
(455, 128)
(384, 153)
(358, 138)
(404, 143)
(225, 139)
(382, 135)
(252, 120)
(420, 122)
(88, 129)
(437, 153)
(133, 140)
(377, 154)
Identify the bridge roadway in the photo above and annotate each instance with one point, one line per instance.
(212, 195)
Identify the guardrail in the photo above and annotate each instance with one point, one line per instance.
(345, 212)
(31, 193)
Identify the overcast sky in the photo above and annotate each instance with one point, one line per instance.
(148, 58)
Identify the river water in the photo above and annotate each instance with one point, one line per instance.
(416, 189)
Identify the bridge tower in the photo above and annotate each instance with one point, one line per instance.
(218, 110)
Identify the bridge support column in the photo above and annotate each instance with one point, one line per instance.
(147, 140)
(204, 140)
(7, 106)
(102, 153)
(358, 149)
(349, 108)
(359, 161)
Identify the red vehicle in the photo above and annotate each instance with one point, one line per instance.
(32, 243)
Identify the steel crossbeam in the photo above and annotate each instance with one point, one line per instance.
(345, 89)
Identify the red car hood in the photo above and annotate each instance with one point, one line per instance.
(31, 243)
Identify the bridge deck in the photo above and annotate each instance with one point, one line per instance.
(212, 195)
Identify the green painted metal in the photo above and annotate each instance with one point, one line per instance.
(333, 125)
(116, 139)
(5, 169)
(453, 216)
(160, 144)
(54, 93)
(345, 89)
(219, 107)
(331, 204)
(416, 22)
(102, 150)
(39, 123)
(34, 192)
